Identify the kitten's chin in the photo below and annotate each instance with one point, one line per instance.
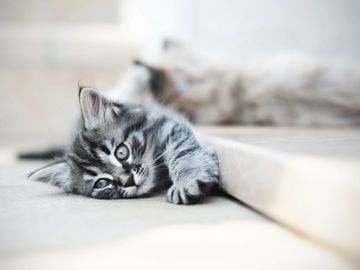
(145, 184)
(145, 187)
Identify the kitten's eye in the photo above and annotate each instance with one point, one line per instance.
(122, 152)
(102, 182)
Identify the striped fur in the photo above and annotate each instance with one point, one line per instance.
(162, 153)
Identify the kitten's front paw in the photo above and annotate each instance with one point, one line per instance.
(187, 193)
(127, 192)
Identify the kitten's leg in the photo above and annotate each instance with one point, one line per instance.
(193, 169)
(127, 192)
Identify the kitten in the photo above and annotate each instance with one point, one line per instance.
(280, 89)
(126, 151)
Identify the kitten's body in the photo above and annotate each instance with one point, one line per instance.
(285, 90)
(159, 149)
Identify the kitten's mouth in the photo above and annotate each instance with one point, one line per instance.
(140, 183)
(140, 178)
(131, 182)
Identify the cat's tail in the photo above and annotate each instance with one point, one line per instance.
(42, 155)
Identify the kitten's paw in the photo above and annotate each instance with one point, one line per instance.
(188, 193)
(127, 192)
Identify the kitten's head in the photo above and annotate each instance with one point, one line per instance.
(110, 156)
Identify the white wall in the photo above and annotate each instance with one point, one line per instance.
(239, 28)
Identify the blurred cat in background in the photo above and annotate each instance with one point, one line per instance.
(280, 90)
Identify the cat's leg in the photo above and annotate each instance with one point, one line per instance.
(193, 169)
(127, 192)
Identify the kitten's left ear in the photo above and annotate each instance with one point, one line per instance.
(95, 108)
(56, 174)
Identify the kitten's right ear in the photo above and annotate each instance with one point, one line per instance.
(56, 174)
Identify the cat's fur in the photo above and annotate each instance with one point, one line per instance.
(282, 89)
(163, 153)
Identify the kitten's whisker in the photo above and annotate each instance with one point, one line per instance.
(154, 164)
(158, 165)
(159, 156)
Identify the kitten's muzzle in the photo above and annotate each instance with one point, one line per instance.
(130, 182)
(136, 168)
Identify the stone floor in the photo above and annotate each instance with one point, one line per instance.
(41, 227)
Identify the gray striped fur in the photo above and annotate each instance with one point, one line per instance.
(163, 154)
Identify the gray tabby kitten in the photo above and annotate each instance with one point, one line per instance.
(126, 151)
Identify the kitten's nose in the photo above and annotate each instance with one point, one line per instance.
(130, 182)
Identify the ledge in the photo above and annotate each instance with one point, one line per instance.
(308, 180)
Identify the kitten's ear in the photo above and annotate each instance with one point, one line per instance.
(95, 109)
(56, 174)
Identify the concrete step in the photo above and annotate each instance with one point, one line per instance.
(307, 179)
